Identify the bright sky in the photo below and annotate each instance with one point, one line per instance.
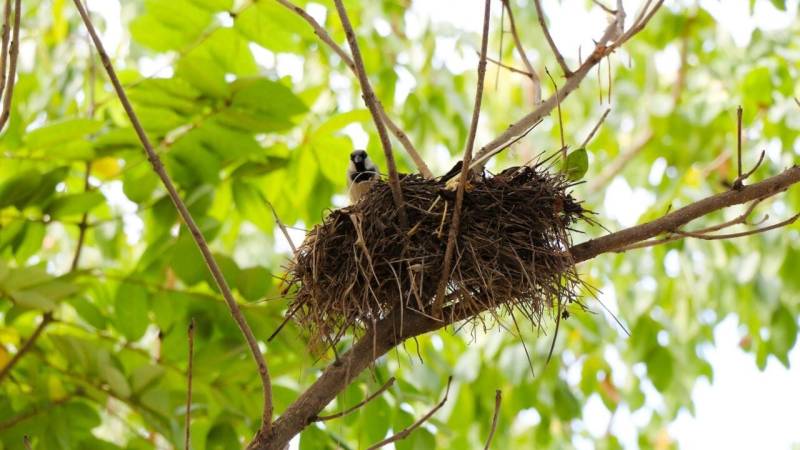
(743, 408)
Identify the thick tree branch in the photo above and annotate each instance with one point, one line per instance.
(186, 216)
(368, 94)
(462, 179)
(388, 333)
(326, 38)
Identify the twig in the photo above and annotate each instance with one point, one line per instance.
(560, 122)
(537, 83)
(216, 272)
(406, 431)
(46, 319)
(11, 77)
(507, 67)
(466, 160)
(739, 141)
(372, 104)
(33, 412)
(615, 167)
(716, 237)
(187, 431)
(738, 182)
(380, 391)
(553, 47)
(498, 397)
(282, 227)
(604, 7)
(523, 125)
(594, 130)
(26, 440)
(796, 100)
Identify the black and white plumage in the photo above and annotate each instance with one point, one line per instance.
(361, 174)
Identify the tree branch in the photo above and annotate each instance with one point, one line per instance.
(553, 47)
(462, 179)
(187, 432)
(186, 216)
(387, 333)
(406, 431)
(320, 31)
(498, 397)
(380, 391)
(602, 49)
(537, 83)
(11, 76)
(46, 319)
(372, 104)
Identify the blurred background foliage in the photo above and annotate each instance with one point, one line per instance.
(246, 106)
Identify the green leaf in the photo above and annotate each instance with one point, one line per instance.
(130, 310)
(254, 282)
(72, 204)
(660, 367)
(61, 132)
(576, 165)
(18, 189)
(143, 377)
(780, 4)
(115, 379)
(251, 204)
(565, 404)
(783, 333)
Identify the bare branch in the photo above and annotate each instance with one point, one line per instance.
(188, 429)
(796, 100)
(716, 237)
(739, 141)
(183, 211)
(466, 160)
(380, 391)
(372, 104)
(282, 227)
(11, 76)
(498, 397)
(507, 67)
(604, 7)
(406, 431)
(560, 121)
(596, 127)
(573, 81)
(26, 440)
(553, 47)
(46, 319)
(6, 31)
(737, 183)
(617, 164)
(537, 83)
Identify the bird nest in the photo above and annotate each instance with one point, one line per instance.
(511, 253)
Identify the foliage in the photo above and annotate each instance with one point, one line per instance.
(236, 127)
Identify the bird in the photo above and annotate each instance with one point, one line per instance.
(361, 175)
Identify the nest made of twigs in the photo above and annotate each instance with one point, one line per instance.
(511, 253)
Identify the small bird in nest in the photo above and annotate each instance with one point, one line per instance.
(361, 175)
(453, 176)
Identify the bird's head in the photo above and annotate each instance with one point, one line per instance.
(358, 157)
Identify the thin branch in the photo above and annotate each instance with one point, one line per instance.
(33, 412)
(375, 394)
(604, 7)
(716, 237)
(11, 77)
(326, 38)
(612, 169)
(738, 182)
(282, 227)
(739, 141)
(46, 319)
(602, 48)
(537, 83)
(187, 431)
(26, 440)
(406, 431)
(216, 272)
(498, 397)
(594, 130)
(507, 67)
(372, 104)
(466, 161)
(796, 100)
(560, 121)
(553, 47)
